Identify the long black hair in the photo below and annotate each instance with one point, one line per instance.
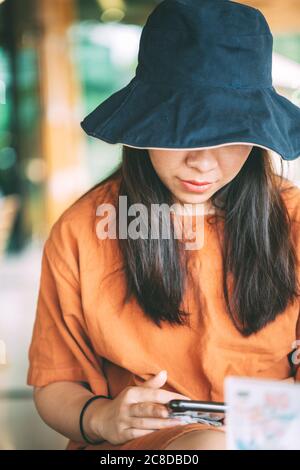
(257, 250)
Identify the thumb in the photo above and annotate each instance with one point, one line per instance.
(157, 381)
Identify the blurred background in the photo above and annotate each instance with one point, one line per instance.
(58, 60)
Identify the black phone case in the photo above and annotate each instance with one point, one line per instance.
(196, 405)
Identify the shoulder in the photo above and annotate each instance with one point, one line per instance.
(290, 194)
(75, 228)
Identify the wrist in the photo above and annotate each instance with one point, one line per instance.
(93, 419)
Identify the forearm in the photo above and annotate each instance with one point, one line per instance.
(59, 404)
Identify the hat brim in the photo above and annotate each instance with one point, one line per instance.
(154, 115)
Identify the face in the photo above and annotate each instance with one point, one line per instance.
(218, 166)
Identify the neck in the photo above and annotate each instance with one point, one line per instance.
(195, 209)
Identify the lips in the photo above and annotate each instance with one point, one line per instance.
(196, 186)
(198, 183)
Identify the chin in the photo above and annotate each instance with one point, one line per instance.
(194, 197)
(192, 200)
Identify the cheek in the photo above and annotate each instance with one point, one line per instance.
(233, 166)
(166, 166)
(163, 171)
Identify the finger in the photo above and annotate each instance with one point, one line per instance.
(148, 409)
(153, 423)
(138, 394)
(132, 433)
(157, 381)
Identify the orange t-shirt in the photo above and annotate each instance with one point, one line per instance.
(84, 331)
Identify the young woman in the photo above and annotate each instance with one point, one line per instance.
(86, 331)
(140, 320)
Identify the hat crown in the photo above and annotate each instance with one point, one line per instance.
(206, 42)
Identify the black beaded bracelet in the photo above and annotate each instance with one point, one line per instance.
(95, 397)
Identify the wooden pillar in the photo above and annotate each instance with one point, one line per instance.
(62, 139)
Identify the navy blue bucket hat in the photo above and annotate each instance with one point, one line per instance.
(203, 79)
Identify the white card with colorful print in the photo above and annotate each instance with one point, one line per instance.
(262, 414)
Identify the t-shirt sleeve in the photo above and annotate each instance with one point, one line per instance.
(293, 203)
(296, 354)
(60, 347)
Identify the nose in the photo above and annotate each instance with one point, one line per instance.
(203, 161)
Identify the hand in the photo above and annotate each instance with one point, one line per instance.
(136, 411)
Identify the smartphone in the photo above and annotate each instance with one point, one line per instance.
(195, 405)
